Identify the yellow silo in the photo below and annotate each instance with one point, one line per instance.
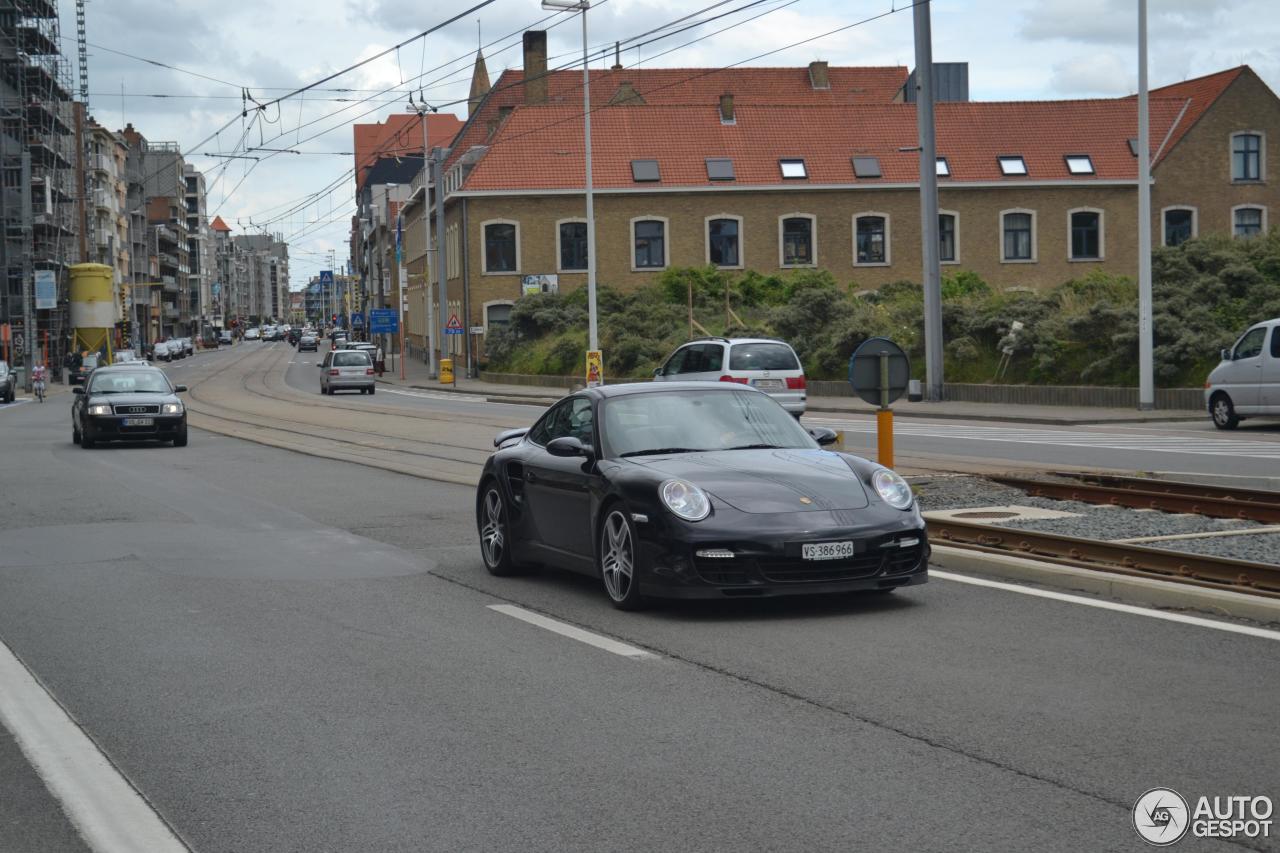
(93, 307)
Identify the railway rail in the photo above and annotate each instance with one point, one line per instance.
(1134, 560)
(1166, 496)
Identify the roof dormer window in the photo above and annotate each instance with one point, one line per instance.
(1079, 164)
(1012, 164)
(793, 168)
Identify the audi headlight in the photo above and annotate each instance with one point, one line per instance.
(891, 488)
(171, 409)
(685, 499)
(99, 410)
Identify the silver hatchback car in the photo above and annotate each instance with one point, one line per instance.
(764, 363)
(346, 370)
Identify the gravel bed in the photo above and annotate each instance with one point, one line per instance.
(936, 492)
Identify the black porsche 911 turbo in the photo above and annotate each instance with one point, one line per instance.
(694, 490)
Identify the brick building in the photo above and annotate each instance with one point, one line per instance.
(776, 169)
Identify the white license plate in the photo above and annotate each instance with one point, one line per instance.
(827, 551)
(139, 422)
(768, 384)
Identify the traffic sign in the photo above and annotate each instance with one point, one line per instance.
(384, 320)
(477, 330)
(865, 371)
(326, 276)
(357, 320)
(454, 326)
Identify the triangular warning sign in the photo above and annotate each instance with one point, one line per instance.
(454, 322)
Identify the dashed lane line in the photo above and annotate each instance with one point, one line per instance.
(573, 632)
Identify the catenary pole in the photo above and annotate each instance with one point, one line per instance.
(1146, 373)
(428, 258)
(442, 256)
(593, 324)
(932, 279)
(28, 272)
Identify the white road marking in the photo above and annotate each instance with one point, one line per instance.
(17, 401)
(1194, 444)
(566, 630)
(110, 814)
(438, 395)
(1102, 604)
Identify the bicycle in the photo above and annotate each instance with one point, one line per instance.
(38, 386)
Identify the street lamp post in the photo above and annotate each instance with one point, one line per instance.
(429, 288)
(582, 6)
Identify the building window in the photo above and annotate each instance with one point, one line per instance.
(496, 315)
(947, 247)
(573, 245)
(793, 169)
(795, 237)
(871, 232)
(644, 171)
(1249, 221)
(650, 242)
(943, 168)
(719, 169)
(1018, 232)
(1086, 235)
(501, 247)
(723, 246)
(866, 167)
(1012, 165)
(1079, 164)
(1246, 156)
(1179, 225)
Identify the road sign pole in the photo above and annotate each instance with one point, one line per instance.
(884, 416)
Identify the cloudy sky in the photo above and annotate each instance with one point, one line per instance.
(1026, 49)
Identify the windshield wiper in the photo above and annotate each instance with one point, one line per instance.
(659, 451)
(756, 447)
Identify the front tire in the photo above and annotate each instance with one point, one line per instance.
(616, 559)
(1223, 412)
(86, 440)
(180, 440)
(75, 434)
(492, 521)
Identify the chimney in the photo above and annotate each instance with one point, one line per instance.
(617, 56)
(535, 67)
(818, 76)
(726, 109)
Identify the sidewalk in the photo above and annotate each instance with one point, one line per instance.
(417, 377)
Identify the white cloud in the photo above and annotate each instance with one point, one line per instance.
(1100, 74)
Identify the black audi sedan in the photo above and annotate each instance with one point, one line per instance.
(128, 402)
(695, 490)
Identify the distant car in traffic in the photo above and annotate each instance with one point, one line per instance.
(345, 370)
(8, 383)
(128, 402)
(690, 490)
(162, 351)
(1247, 382)
(253, 334)
(308, 343)
(769, 365)
(292, 336)
(225, 338)
(124, 356)
(88, 363)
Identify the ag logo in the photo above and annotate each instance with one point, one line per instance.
(1161, 817)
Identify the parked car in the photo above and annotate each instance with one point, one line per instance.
(691, 490)
(344, 370)
(253, 334)
(128, 402)
(124, 356)
(225, 339)
(8, 383)
(1247, 382)
(162, 351)
(88, 363)
(186, 347)
(770, 365)
(308, 343)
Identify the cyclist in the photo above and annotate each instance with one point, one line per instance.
(39, 374)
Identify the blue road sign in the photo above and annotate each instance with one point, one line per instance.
(357, 320)
(384, 320)
(326, 276)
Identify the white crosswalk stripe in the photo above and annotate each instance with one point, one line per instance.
(1237, 448)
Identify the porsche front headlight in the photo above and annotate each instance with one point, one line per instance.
(685, 499)
(891, 488)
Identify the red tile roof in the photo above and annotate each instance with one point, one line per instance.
(540, 147)
(400, 134)
(218, 225)
(1198, 94)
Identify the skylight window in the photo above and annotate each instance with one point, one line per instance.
(944, 169)
(1013, 165)
(1079, 164)
(719, 169)
(1133, 146)
(644, 170)
(793, 169)
(866, 167)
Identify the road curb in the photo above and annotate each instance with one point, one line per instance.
(1160, 594)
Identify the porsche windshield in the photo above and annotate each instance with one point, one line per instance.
(684, 421)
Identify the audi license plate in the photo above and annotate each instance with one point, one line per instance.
(827, 551)
(769, 384)
(139, 422)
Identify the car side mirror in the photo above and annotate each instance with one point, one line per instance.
(319, 364)
(77, 390)
(1226, 355)
(179, 389)
(825, 437)
(659, 371)
(567, 446)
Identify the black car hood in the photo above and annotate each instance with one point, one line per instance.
(768, 481)
(131, 399)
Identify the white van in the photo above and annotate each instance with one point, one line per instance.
(1247, 382)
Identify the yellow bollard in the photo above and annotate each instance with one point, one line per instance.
(446, 371)
(884, 436)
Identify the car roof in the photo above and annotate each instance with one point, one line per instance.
(734, 341)
(627, 389)
(129, 365)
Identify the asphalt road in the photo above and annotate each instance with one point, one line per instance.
(289, 653)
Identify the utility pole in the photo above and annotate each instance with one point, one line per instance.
(28, 273)
(82, 185)
(1146, 374)
(928, 204)
(442, 257)
(427, 257)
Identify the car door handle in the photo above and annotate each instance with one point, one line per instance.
(530, 477)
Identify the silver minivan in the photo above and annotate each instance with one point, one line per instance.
(346, 369)
(1247, 382)
(764, 363)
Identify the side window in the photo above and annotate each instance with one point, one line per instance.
(546, 429)
(580, 420)
(675, 364)
(1250, 345)
(714, 358)
(1275, 341)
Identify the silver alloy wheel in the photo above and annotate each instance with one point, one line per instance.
(492, 531)
(617, 556)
